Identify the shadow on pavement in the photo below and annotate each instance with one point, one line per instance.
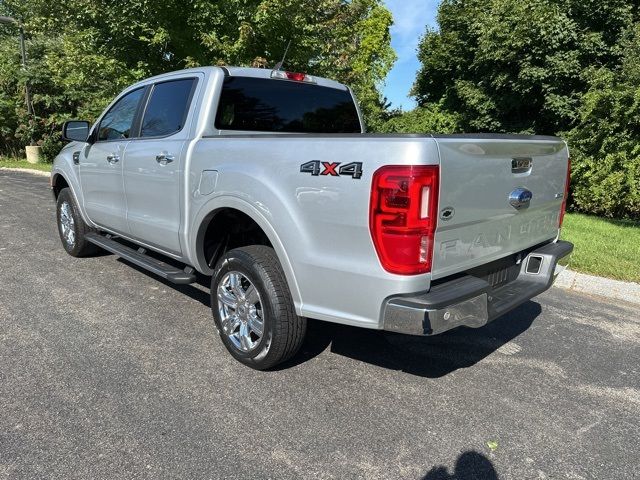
(469, 466)
(431, 357)
(191, 291)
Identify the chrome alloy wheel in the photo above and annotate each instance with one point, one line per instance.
(240, 311)
(67, 225)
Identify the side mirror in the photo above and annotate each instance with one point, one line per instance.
(75, 131)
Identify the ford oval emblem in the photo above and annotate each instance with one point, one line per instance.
(520, 198)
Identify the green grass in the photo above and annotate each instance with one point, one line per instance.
(19, 163)
(604, 247)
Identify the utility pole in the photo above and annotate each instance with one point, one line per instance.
(23, 54)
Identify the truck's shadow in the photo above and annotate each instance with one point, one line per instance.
(431, 357)
(422, 356)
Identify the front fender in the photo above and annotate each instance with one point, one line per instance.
(64, 167)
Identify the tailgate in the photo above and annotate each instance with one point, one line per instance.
(477, 223)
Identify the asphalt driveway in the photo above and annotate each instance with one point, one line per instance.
(107, 372)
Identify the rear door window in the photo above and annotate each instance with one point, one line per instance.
(270, 105)
(167, 108)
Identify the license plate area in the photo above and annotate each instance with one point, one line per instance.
(499, 272)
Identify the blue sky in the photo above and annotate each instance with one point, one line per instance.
(410, 20)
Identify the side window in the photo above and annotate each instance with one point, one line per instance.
(167, 108)
(117, 122)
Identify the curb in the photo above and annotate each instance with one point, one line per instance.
(603, 287)
(26, 170)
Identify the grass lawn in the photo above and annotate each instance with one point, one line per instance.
(604, 247)
(19, 163)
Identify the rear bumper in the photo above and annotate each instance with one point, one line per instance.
(471, 301)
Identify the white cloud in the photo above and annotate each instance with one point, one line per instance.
(410, 20)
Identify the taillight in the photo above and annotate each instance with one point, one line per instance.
(566, 194)
(402, 217)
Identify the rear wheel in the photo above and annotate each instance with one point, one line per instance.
(71, 226)
(252, 308)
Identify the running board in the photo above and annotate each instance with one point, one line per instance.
(164, 270)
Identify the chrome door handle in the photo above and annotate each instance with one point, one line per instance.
(164, 158)
(113, 158)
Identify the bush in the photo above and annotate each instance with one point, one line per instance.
(605, 145)
(429, 119)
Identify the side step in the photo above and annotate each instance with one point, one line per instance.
(164, 270)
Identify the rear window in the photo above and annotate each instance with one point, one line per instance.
(268, 105)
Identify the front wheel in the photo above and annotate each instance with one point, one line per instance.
(71, 226)
(252, 308)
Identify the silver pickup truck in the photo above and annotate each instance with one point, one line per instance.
(266, 182)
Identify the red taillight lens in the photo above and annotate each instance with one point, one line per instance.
(403, 214)
(565, 197)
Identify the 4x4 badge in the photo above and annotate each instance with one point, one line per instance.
(332, 169)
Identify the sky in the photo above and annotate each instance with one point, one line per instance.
(410, 20)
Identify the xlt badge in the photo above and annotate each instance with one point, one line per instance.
(521, 164)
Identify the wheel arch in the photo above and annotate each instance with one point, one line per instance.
(62, 175)
(221, 210)
(58, 182)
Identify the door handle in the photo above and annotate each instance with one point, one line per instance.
(113, 158)
(164, 158)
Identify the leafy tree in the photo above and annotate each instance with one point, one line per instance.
(518, 66)
(428, 119)
(82, 52)
(605, 142)
(11, 95)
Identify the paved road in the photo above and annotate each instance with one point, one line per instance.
(106, 372)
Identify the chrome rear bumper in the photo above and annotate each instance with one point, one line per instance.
(471, 301)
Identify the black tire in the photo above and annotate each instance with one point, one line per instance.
(76, 245)
(282, 330)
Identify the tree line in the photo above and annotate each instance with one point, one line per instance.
(558, 67)
(83, 52)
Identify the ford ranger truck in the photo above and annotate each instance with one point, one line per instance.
(266, 182)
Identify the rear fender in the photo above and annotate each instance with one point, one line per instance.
(226, 201)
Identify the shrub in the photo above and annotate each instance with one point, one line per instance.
(428, 119)
(605, 145)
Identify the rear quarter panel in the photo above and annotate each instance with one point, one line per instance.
(319, 224)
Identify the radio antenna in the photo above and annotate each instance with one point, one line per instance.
(281, 62)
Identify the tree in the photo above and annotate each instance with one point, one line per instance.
(11, 96)
(84, 51)
(428, 119)
(605, 143)
(518, 66)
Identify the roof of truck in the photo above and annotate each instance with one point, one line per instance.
(241, 72)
